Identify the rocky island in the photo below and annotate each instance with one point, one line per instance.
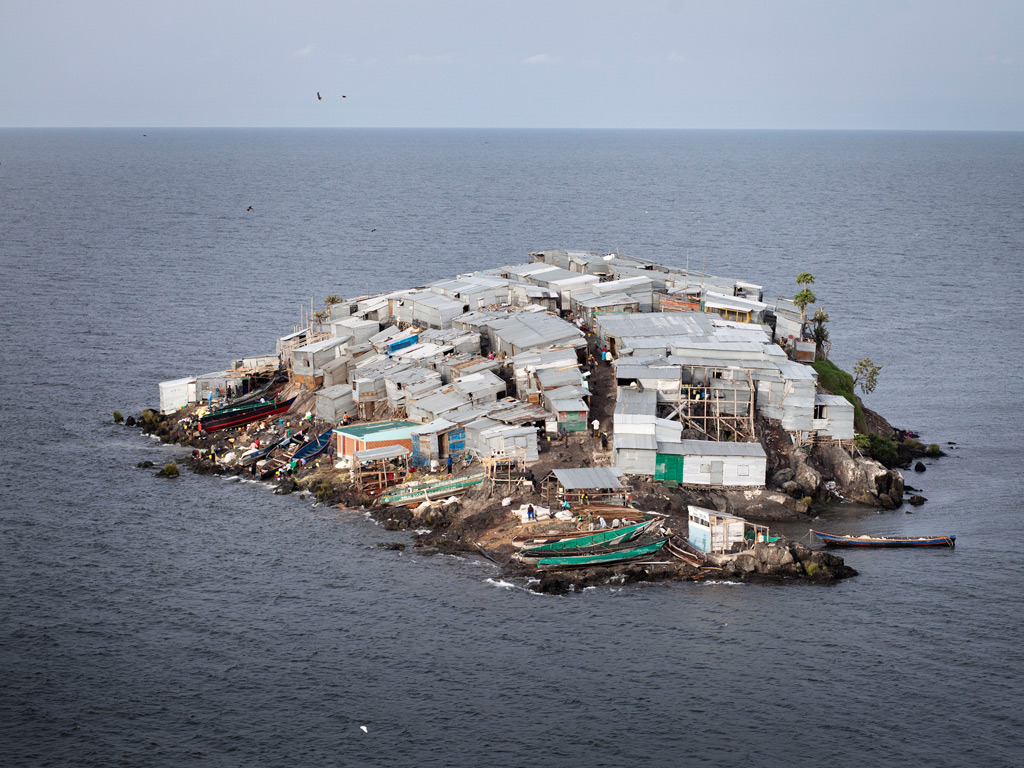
(565, 399)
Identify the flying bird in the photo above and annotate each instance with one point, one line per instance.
(249, 208)
(321, 98)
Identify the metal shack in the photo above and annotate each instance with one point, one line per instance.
(717, 533)
(176, 394)
(711, 463)
(332, 403)
(362, 437)
(436, 441)
(308, 362)
(591, 485)
(833, 416)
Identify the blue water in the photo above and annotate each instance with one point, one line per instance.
(208, 622)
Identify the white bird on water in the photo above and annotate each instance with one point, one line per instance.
(363, 729)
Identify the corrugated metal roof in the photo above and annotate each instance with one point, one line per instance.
(589, 477)
(385, 452)
(832, 401)
(635, 442)
(711, 448)
(437, 425)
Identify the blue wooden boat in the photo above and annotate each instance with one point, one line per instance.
(313, 448)
(840, 540)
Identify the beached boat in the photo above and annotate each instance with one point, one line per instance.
(314, 448)
(840, 540)
(237, 416)
(583, 560)
(582, 544)
(253, 455)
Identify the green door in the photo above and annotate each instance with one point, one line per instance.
(669, 466)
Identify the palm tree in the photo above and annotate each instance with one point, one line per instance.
(805, 297)
(333, 299)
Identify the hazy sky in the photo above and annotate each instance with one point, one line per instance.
(904, 64)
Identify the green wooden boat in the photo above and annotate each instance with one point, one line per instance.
(580, 544)
(606, 558)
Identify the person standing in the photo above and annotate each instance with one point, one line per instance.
(596, 424)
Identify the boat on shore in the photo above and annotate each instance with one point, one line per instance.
(243, 414)
(841, 540)
(314, 447)
(590, 558)
(580, 545)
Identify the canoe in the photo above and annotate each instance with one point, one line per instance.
(314, 448)
(254, 455)
(840, 540)
(236, 417)
(603, 558)
(580, 544)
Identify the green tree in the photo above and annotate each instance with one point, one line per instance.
(865, 375)
(805, 297)
(320, 315)
(822, 340)
(333, 299)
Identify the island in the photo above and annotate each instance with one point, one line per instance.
(580, 418)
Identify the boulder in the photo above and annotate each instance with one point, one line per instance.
(794, 489)
(920, 467)
(782, 477)
(859, 479)
(917, 500)
(809, 478)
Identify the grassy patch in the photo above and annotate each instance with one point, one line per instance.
(839, 382)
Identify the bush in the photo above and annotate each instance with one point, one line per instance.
(839, 382)
(169, 470)
(934, 450)
(883, 449)
(118, 417)
(863, 443)
(913, 444)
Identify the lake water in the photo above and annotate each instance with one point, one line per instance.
(208, 622)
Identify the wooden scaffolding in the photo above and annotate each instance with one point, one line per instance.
(717, 402)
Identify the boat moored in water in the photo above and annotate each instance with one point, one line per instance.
(842, 540)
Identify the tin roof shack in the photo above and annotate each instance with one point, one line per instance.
(481, 388)
(789, 396)
(718, 533)
(336, 371)
(409, 384)
(636, 454)
(833, 416)
(586, 306)
(332, 403)
(523, 294)
(617, 331)
(475, 291)
(786, 318)
(362, 437)
(176, 394)
(433, 443)
(570, 408)
(735, 308)
(639, 288)
(712, 464)
(685, 299)
(308, 361)
(426, 308)
(524, 331)
(360, 331)
(526, 365)
(433, 406)
(456, 365)
(589, 485)
(490, 439)
(461, 342)
(368, 388)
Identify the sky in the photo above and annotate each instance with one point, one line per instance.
(697, 64)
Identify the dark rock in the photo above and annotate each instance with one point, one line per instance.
(886, 501)
(396, 546)
(800, 550)
(130, 421)
(782, 477)
(919, 467)
(917, 500)
(169, 470)
(793, 488)
(145, 465)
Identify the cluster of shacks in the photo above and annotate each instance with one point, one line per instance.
(484, 363)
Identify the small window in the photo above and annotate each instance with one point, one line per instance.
(743, 471)
(820, 411)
